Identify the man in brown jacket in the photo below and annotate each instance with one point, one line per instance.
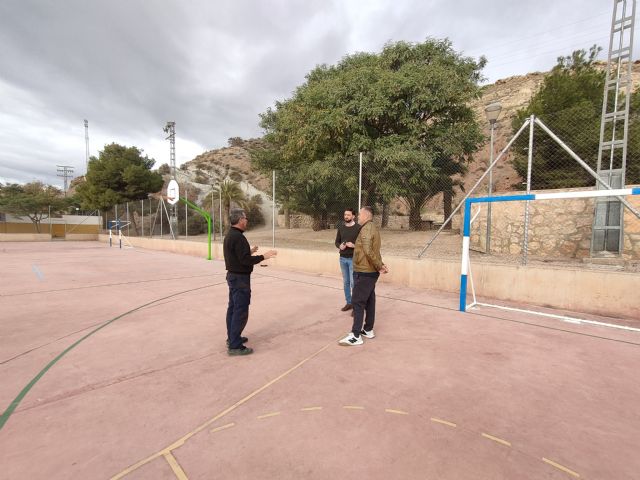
(367, 267)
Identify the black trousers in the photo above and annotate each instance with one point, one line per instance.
(363, 300)
(238, 309)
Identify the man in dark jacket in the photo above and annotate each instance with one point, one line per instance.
(345, 242)
(239, 261)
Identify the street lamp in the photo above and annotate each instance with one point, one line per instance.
(492, 111)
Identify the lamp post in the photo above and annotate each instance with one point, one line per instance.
(492, 111)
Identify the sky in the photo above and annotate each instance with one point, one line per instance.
(130, 66)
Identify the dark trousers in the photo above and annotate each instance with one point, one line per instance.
(238, 309)
(363, 300)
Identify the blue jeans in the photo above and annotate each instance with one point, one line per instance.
(238, 308)
(346, 265)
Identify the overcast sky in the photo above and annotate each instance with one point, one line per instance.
(129, 66)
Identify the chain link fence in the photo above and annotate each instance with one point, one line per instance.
(416, 200)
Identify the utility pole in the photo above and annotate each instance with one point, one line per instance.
(86, 143)
(65, 171)
(170, 128)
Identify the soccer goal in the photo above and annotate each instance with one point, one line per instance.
(466, 279)
(118, 225)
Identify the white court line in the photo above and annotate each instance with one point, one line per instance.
(562, 317)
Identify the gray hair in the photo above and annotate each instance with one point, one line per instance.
(368, 209)
(236, 215)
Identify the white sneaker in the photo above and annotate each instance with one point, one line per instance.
(368, 334)
(351, 339)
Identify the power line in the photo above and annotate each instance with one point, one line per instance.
(555, 29)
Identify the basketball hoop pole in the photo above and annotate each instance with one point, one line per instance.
(205, 215)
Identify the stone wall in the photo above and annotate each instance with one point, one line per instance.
(557, 228)
(396, 222)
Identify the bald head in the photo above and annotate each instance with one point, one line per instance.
(365, 214)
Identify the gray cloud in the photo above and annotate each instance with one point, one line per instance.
(212, 67)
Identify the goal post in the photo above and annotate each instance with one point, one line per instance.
(465, 270)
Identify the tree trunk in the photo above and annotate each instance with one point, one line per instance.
(385, 214)
(447, 200)
(317, 222)
(287, 216)
(415, 222)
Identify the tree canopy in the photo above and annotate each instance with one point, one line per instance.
(119, 174)
(407, 108)
(569, 102)
(34, 200)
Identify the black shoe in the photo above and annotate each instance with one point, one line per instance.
(240, 351)
(242, 339)
(347, 307)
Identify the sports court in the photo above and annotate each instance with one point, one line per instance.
(113, 365)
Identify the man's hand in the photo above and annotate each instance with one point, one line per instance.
(384, 269)
(254, 249)
(269, 254)
(342, 246)
(350, 245)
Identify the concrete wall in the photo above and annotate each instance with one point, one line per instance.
(25, 237)
(591, 291)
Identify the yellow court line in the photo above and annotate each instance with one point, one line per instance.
(180, 442)
(444, 422)
(309, 409)
(353, 407)
(267, 415)
(175, 466)
(223, 427)
(561, 467)
(496, 439)
(399, 412)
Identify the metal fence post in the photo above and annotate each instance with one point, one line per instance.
(273, 209)
(360, 185)
(525, 247)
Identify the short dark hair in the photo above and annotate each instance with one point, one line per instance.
(236, 215)
(368, 209)
(353, 212)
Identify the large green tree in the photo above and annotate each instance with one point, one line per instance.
(34, 200)
(569, 102)
(119, 174)
(405, 107)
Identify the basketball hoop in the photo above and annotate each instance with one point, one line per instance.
(173, 192)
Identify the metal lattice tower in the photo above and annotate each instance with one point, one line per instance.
(170, 128)
(66, 172)
(86, 144)
(608, 222)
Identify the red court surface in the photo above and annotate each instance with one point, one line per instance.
(113, 365)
